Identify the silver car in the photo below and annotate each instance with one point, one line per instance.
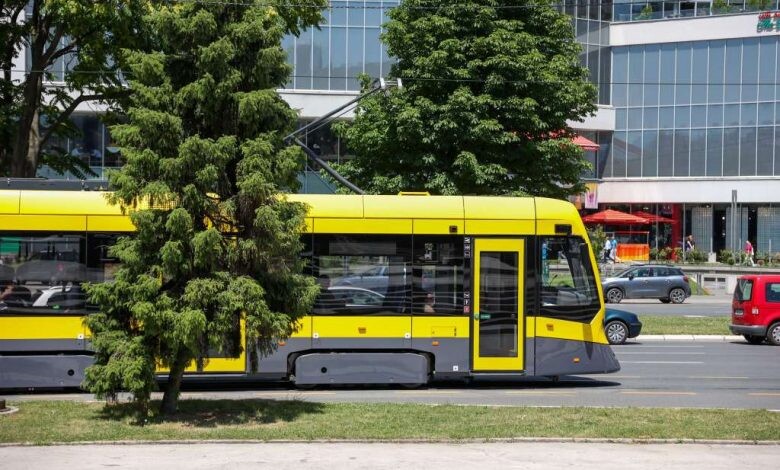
(665, 283)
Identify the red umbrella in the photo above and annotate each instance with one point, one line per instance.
(614, 217)
(652, 218)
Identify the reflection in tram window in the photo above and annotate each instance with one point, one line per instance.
(568, 289)
(362, 275)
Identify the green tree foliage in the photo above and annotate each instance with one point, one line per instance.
(206, 162)
(85, 36)
(487, 92)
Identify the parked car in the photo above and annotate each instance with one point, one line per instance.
(647, 281)
(755, 309)
(620, 325)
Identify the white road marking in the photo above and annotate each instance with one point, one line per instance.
(639, 392)
(669, 353)
(660, 362)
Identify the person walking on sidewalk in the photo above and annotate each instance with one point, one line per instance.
(749, 253)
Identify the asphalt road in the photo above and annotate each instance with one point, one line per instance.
(654, 374)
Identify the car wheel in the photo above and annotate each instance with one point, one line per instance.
(753, 339)
(614, 295)
(665, 301)
(773, 334)
(677, 295)
(616, 332)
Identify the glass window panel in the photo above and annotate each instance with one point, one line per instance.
(777, 151)
(652, 54)
(621, 118)
(619, 154)
(355, 61)
(749, 69)
(582, 31)
(650, 153)
(635, 68)
(667, 73)
(666, 117)
(338, 58)
(650, 118)
(683, 74)
(635, 118)
(767, 65)
(714, 152)
(373, 13)
(355, 13)
(715, 71)
(387, 61)
(321, 69)
(438, 275)
(665, 152)
(698, 152)
(731, 151)
(619, 76)
(634, 154)
(733, 67)
(338, 14)
(373, 52)
(498, 291)
(288, 44)
(766, 114)
(747, 151)
(362, 275)
(765, 151)
(715, 115)
(593, 64)
(594, 32)
(699, 72)
(87, 145)
(681, 156)
(44, 272)
(573, 293)
(605, 67)
(682, 116)
(303, 57)
(731, 114)
(698, 116)
(748, 117)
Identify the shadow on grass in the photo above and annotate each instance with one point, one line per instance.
(211, 413)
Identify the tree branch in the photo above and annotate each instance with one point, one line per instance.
(65, 113)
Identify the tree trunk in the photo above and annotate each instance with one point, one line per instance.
(170, 401)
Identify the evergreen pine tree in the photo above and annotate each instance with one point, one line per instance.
(216, 242)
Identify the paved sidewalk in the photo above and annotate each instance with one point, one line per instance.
(393, 456)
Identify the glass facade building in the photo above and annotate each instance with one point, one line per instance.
(705, 108)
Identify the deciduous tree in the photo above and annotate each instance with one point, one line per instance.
(72, 56)
(488, 88)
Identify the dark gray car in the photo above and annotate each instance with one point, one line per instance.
(665, 283)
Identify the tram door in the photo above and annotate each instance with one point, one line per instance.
(498, 335)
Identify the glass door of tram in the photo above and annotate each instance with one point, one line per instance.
(497, 294)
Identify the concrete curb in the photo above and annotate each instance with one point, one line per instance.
(701, 338)
(617, 440)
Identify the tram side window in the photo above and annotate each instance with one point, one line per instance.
(362, 274)
(568, 286)
(438, 275)
(42, 273)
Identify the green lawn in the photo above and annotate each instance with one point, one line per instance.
(666, 325)
(43, 422)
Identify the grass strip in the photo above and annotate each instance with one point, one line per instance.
(669, 325)
(43, 422)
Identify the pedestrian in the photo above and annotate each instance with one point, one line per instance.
(607, 250)
(689, 244)
(613, 250)
(749, 253)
